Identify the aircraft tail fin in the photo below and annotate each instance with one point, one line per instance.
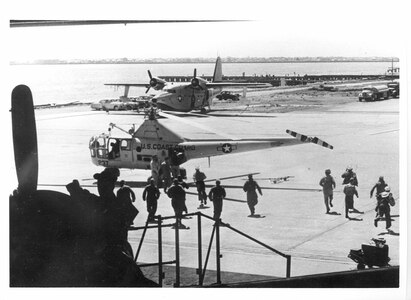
(218, 71)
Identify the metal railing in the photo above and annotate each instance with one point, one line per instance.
(201, 270)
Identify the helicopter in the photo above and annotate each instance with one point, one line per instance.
(154, 137)
(185, 97)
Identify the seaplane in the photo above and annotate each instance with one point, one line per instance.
(184, 97)
(134, 148)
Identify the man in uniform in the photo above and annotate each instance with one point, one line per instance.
(199, 178)
(151, 194)
(125, 196)
(379, 187)
(177, 195)
(165, 173)
(350, 191)
(384, 200)
(155, 169)
(348, 175)
(328, 185)
(216, 195)
(250, 188)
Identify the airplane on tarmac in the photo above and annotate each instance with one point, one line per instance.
(154, 137)
(185, 97)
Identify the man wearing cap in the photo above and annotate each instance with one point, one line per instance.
(328, 184)
(348, 175)
(199, 178)
(151, 194)
(250, 188)
(216, 195)
(177, 195)
(384, 200)
(350, 191)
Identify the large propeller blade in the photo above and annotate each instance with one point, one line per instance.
(24, 139)
(308, 139)
(195, 82)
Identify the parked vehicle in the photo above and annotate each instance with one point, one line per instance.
(225, 95)
(374, 93)
(394, 89)
(108, 104)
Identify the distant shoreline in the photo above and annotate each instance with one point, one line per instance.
(198, 62)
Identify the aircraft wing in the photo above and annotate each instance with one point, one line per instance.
(235, 84)
(37, 23)
(146, 85)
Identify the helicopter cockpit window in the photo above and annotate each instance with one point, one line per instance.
(125, 145)
(114, 148)
(100, 142)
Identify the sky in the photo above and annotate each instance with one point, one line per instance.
(276, 28)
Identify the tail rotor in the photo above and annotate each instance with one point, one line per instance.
(307, 139)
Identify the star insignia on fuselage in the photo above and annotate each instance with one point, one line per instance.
(226, 148)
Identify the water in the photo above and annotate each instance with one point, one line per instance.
(85, 83)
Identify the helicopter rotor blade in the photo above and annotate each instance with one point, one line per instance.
(307, 139)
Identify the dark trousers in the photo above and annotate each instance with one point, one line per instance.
(328, 198)
(384, 210)
(218, 208)
(151, 208)
(252, 202)
(202, 195)
(349, 203)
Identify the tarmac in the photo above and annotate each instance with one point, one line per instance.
(365, 136)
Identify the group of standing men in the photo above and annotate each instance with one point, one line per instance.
(350, 182)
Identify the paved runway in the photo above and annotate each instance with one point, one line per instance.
(364, 135)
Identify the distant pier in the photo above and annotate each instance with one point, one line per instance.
(285, 80)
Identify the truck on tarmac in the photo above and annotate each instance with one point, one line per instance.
(394, 89)
(374, 93)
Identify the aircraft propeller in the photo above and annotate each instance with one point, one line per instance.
(195, 82)
(154, 82)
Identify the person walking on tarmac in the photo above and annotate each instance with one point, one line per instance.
(199, 178)
(165, 173)
(350, 191)
(250, 187)
(328, 184)
(126, 196)
(216, 195)
(348, 175)
(384, 200)
(151, 194)
(155, 169)
(177, 195)
(379, 187)
(184, 185)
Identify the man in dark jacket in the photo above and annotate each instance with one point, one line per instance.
(151, 194)
(350, 191)
(177, 195)
(384, 200)
(125, 197)
(217, 194)
(250, 188)
(379, 187)
(348, 175)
